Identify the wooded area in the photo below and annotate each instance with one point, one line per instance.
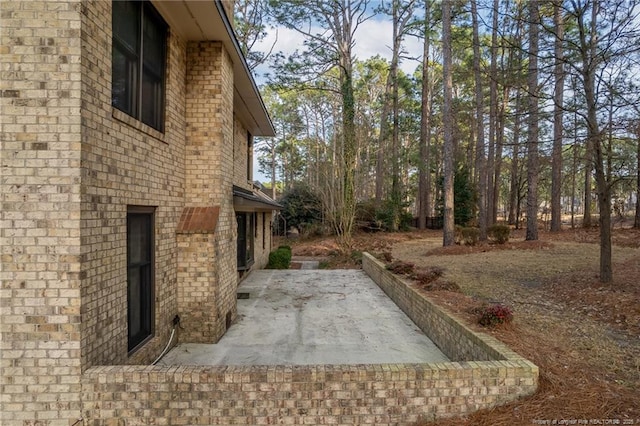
(521, 112)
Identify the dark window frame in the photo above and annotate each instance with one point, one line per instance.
(246, 223)
(144, 269)
(142, 94)
(249, 157)
(264, 231)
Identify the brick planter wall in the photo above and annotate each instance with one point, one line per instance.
(486, 373)
(457, 341)
(319, 394)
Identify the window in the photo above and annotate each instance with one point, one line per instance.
(264, 230)
(140, 273)
(249, 157)
(138, 61)
(246, 235)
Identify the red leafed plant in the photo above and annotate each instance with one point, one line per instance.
(495, 315)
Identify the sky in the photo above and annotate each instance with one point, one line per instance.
(373, 37)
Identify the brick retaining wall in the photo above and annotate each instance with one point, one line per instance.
(486, 373)
(455, 340)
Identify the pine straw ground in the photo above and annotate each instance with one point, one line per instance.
(584, 336)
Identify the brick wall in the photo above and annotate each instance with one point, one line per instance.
(125, 163)
(204, 281)
(243, 177)
(488, 374)
(263, 239)
(226, 234)
(71, 165)
(40, 214)
(455, 340)
(385, 394)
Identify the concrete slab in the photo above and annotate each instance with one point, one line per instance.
(298, 317)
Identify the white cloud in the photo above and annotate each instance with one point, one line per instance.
(373, 37)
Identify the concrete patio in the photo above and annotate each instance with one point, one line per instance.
(304, 317)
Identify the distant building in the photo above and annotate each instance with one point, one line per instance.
(127, 194)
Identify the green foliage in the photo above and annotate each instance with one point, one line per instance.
(458, 234)
(280, 258)
(383, 218)
(470, 236)
(394, 216)
(499, 233)
(356, 257)
(302, 208)
(463, 197)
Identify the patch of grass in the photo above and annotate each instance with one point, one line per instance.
(441, 285)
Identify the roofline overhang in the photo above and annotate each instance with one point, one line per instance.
(197, 20)
(245, 200)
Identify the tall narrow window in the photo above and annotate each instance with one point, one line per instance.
(249, 157)
(140, 273)
(246, 237)
(138, 61)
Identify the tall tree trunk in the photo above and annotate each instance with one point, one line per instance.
(347, 215)
(514, 189)
(588, 172)
(556, 157)
(532, 137)
(273, 170)
(589, 52)
(480, 161)
(447, 118)
(382, 138)
(499, 147)
(493, 119)
(425, 127)
(573, 183)
(396, 196)
(636, 222)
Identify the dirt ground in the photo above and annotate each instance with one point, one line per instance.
(584, 335)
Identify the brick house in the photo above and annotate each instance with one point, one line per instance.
(127, 194)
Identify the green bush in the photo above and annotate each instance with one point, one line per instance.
(302, 208)
(463, 195)
(389, 216)
(499, 233)
(470, 236)
(356, 257)
(458, 234)
(280, 258)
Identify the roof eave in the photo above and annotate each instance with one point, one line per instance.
(207, 20)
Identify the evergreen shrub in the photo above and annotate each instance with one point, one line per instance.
(280, 258)
(499, 233)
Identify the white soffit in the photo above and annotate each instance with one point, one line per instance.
(202, 20)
